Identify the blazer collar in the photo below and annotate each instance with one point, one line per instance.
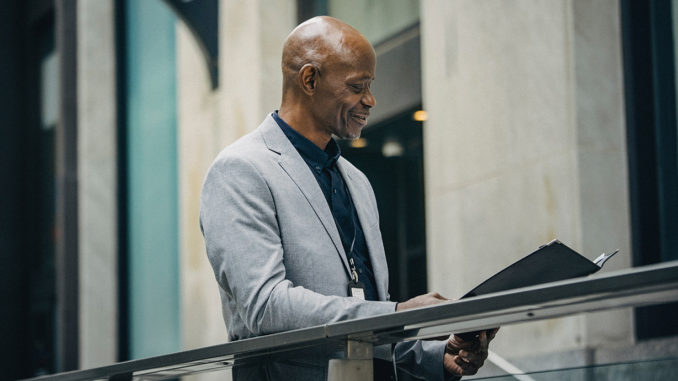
(297, 169)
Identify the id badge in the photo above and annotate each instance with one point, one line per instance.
(356, 289)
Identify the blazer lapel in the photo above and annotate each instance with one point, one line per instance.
(361, 197)
(297, 169)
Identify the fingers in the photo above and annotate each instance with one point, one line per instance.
(475, 358)
(456, 365)
(453, 345)
(437, 296)
(421, 301)
(482, 339)
(464, 358)
(469, 367)
(459, 343)
(451, 366)
(468, 356)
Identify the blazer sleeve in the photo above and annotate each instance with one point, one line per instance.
(243, 241)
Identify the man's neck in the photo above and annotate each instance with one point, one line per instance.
(303, 124)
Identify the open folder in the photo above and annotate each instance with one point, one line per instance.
(551, 262)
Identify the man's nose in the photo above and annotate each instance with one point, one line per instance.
(368, 99)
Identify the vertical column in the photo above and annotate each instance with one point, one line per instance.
(249, 87)
(251, 38)
(603, 178)
(524, 143)
(13, 195)
(152, 226)
(67, 190)
(251, 35)
(97, 185)
(201, 320)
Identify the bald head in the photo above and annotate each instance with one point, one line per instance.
(328, 68)
(322, 42)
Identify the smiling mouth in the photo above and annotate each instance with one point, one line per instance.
(360, 117)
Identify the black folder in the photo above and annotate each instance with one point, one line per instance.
(551, 262)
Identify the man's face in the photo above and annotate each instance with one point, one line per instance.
(343, 98)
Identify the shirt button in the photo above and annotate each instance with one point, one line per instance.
(335, 190)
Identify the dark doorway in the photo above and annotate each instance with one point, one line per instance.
(41, 188)
(650, 95)
(28, 235)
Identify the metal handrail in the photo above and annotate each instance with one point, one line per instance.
(625, 288)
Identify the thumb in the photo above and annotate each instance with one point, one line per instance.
(482, 338)
(438, 296)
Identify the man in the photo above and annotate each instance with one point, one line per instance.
(291, 228)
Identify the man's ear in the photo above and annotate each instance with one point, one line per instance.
(308, 76)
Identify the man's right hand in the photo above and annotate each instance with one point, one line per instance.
(421, 301)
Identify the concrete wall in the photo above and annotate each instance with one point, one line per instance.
(197, 130)
(251, 38)
(601, 152)
(524, 144)
(97, 184)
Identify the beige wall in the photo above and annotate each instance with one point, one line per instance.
(250, 82)
(601, 150)
(97, 184)
(197, 114)
(524, 144)
(251, 36)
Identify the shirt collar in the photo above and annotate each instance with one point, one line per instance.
(310, 152)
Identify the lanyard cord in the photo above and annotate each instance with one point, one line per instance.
(354, 273)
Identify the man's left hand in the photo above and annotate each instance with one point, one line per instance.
(464, 357)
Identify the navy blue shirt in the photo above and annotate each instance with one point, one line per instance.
(323, 165)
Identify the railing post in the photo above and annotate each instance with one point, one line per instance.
(356, 366)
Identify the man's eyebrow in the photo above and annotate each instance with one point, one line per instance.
(361, 78)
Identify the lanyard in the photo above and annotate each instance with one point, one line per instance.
(354, 272)
(356, 288)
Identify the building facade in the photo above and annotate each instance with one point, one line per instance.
(542, 120)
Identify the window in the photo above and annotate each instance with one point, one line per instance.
(650, 87)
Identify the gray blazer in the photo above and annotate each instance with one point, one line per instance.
(276, 251)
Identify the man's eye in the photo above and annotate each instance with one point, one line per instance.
(357, 88)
